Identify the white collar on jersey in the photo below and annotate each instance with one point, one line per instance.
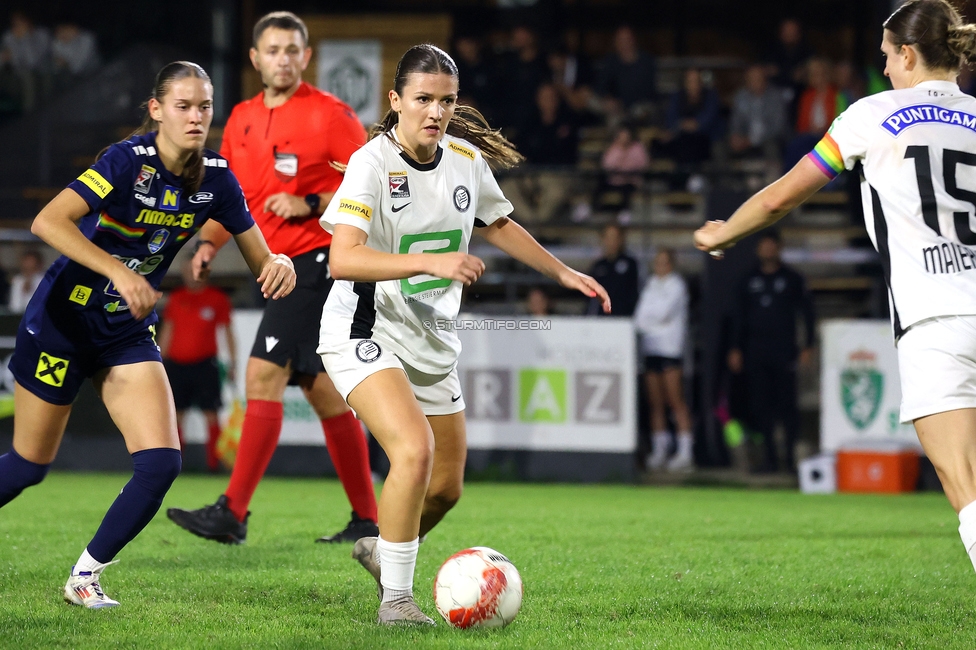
(947, 87)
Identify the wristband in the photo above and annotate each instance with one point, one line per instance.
(200, 243)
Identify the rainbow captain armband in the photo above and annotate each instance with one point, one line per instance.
(826, 156)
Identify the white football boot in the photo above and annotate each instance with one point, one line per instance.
(83, 589)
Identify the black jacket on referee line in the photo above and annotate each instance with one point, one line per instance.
(764, 315)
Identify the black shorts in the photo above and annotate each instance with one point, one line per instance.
(289, 329)
(195, 384)
(660, 364)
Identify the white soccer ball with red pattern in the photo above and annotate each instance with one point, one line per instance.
(478, 587)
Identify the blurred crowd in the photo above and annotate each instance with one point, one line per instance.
(544, 95)
(37, 61)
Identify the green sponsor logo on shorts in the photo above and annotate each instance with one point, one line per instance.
(542, 395)
(447, 241)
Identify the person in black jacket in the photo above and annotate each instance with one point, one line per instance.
(617, 272)
(764, 345)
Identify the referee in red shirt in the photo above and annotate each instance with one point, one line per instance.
(188, 345)
(283, 145)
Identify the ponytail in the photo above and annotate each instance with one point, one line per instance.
(961, 40)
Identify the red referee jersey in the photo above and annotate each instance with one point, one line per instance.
(195, 317)
(289, 149)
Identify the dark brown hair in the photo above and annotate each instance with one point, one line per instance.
(936, 29)
(467, 123)
(279, 20)
(193, 170)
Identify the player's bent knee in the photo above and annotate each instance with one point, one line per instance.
(443, 500)
(156, 469)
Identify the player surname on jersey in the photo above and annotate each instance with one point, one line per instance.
(948, 257)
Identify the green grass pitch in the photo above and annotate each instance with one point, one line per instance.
(604, 566)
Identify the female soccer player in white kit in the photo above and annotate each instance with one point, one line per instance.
(401, 223)
(917, 144)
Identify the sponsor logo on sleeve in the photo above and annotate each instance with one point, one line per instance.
(462, 198)
(170, 199)
(144, 180)
(354, 207)
(96, 183)
(158, 240)
(399, 189)
(80, 294)
(464, 151)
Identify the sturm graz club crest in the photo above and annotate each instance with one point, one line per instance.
(368, 351)
(861, 388)
(462, 198)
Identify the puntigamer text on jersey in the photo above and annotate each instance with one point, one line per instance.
(926, 113)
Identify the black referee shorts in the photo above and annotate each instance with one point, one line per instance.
(194, 384)
(289, 329)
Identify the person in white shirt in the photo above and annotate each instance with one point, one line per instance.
(401, 222)
(662, 320)
(24, 284)
(917, 145)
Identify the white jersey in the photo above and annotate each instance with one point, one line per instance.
(408, 207)
(661, 316)
(918, 149)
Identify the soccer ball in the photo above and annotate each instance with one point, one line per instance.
(478, 587)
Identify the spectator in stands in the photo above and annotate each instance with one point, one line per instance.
(25, 50)
(617, 272)
(627, 78)
(661, 319)
(623, 165)
(24, 284)
(817, 108)
(537, 302)
(758, 124)
(188, 345)
(572, 74)
(476, 72)
(693, 123)
(549, 142)
(850, 85)
(764, 345)
(523, 70)
(73, 52)
(787, 58)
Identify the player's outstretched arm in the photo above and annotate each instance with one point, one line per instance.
(57, 226)
(764, 208)
(274, 272)
(351, 259)
(515, 240)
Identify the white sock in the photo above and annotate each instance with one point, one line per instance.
(662, 440)
(397, 563)
(685, 443)
(967, 530)
(87, 563)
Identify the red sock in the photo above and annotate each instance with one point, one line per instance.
(213, 432)
(259, 437)
(350, 456)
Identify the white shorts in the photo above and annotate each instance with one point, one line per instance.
(349, 362)
(937, 365)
